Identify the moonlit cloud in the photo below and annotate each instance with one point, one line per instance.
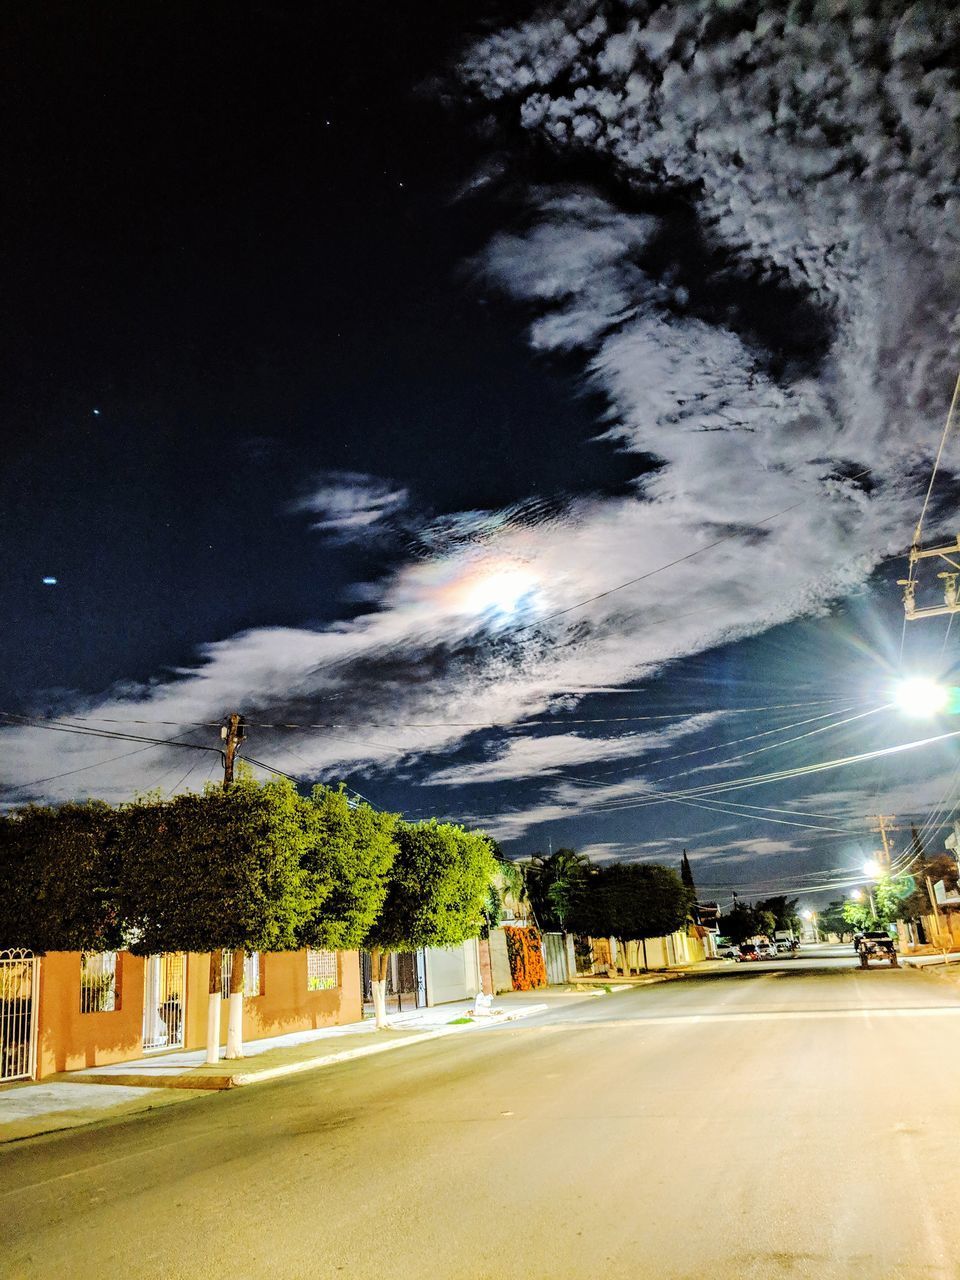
(759, 280)
(543, 755)
(347, 504)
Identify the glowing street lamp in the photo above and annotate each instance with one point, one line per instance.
(857, 895)
(921, 696)
(872, 869)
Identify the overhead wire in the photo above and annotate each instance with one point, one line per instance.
(650, 573)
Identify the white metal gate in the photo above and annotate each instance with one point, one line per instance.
(163, 1001)
(555, 957)
(18, 1014)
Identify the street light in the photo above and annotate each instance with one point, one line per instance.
(921, 696)
(857, 895)
(871, 869)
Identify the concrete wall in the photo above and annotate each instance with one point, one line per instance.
(68, 1039)
(500, 961)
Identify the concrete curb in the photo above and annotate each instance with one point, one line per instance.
(239, 1078)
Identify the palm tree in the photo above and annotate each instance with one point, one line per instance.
(552, 882)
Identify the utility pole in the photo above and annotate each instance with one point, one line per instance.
(232, 735)
(883, 831)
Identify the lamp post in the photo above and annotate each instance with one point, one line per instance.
(811, 920)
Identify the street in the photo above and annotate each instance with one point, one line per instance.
(792, 1120)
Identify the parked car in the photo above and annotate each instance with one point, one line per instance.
(748, 951)
(784, 948)
(730, 952)
(877, 945)
(768, 951)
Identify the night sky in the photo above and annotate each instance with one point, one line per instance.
(351, 351)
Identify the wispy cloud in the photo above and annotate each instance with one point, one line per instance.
(539, 756)
(347, 504)
(789, 323)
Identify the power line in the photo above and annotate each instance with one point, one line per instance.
(727, 537)
(557, 721)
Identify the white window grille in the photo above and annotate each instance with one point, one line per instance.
(18, 1015)
(98, 982)
(251, 974)
(321, 970)
(164, 994)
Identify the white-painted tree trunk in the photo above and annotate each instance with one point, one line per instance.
(214, 1001)
(379, 987)
(235, 1008)
(235, 1025)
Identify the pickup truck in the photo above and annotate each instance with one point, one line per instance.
(876, 945)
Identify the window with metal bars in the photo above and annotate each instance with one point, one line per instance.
(321, 970)
(99, 992)
(251, 974)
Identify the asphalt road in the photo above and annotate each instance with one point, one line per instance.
(794, 1121)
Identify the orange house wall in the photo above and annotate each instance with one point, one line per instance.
(68, 1040)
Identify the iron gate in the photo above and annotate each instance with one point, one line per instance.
(406, 988)
(555, 957)
(163, 1001)
(18, 1014)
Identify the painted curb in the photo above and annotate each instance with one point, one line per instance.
(238, 1079)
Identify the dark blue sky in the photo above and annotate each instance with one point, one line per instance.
(464, 296)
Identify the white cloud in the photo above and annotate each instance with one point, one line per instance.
(543, 755)
(808, 173)
(349, 503)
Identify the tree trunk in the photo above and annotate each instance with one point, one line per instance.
(235, 1010)
(379, 962)
(214, 1002)
(644, 955)
(624, 957)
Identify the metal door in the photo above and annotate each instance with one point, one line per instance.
(163, 1001)
(555, 957)
(18, 1014)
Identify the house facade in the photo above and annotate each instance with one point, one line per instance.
(67, 1010)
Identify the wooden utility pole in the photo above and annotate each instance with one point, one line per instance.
(883, 831)
(231, 734)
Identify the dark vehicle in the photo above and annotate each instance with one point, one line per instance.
(877, 946)
(748, 951)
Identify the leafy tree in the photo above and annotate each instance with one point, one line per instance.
(630, 901)
(435, 896)
(739, 923)
(916, 902)
(686, 873)
(221, 870)
(59, 869)
(856, 914)
(553, 884)
(346, 859)
(783, 910)
(835, 918)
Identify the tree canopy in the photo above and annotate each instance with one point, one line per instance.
(223, 869)
(59, 869)
(553, 883)
(630, 901)
(347, 857)
(437, 888)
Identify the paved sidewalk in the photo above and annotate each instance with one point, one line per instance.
(67, 1100)
(29, 1109)
(276, 1056)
